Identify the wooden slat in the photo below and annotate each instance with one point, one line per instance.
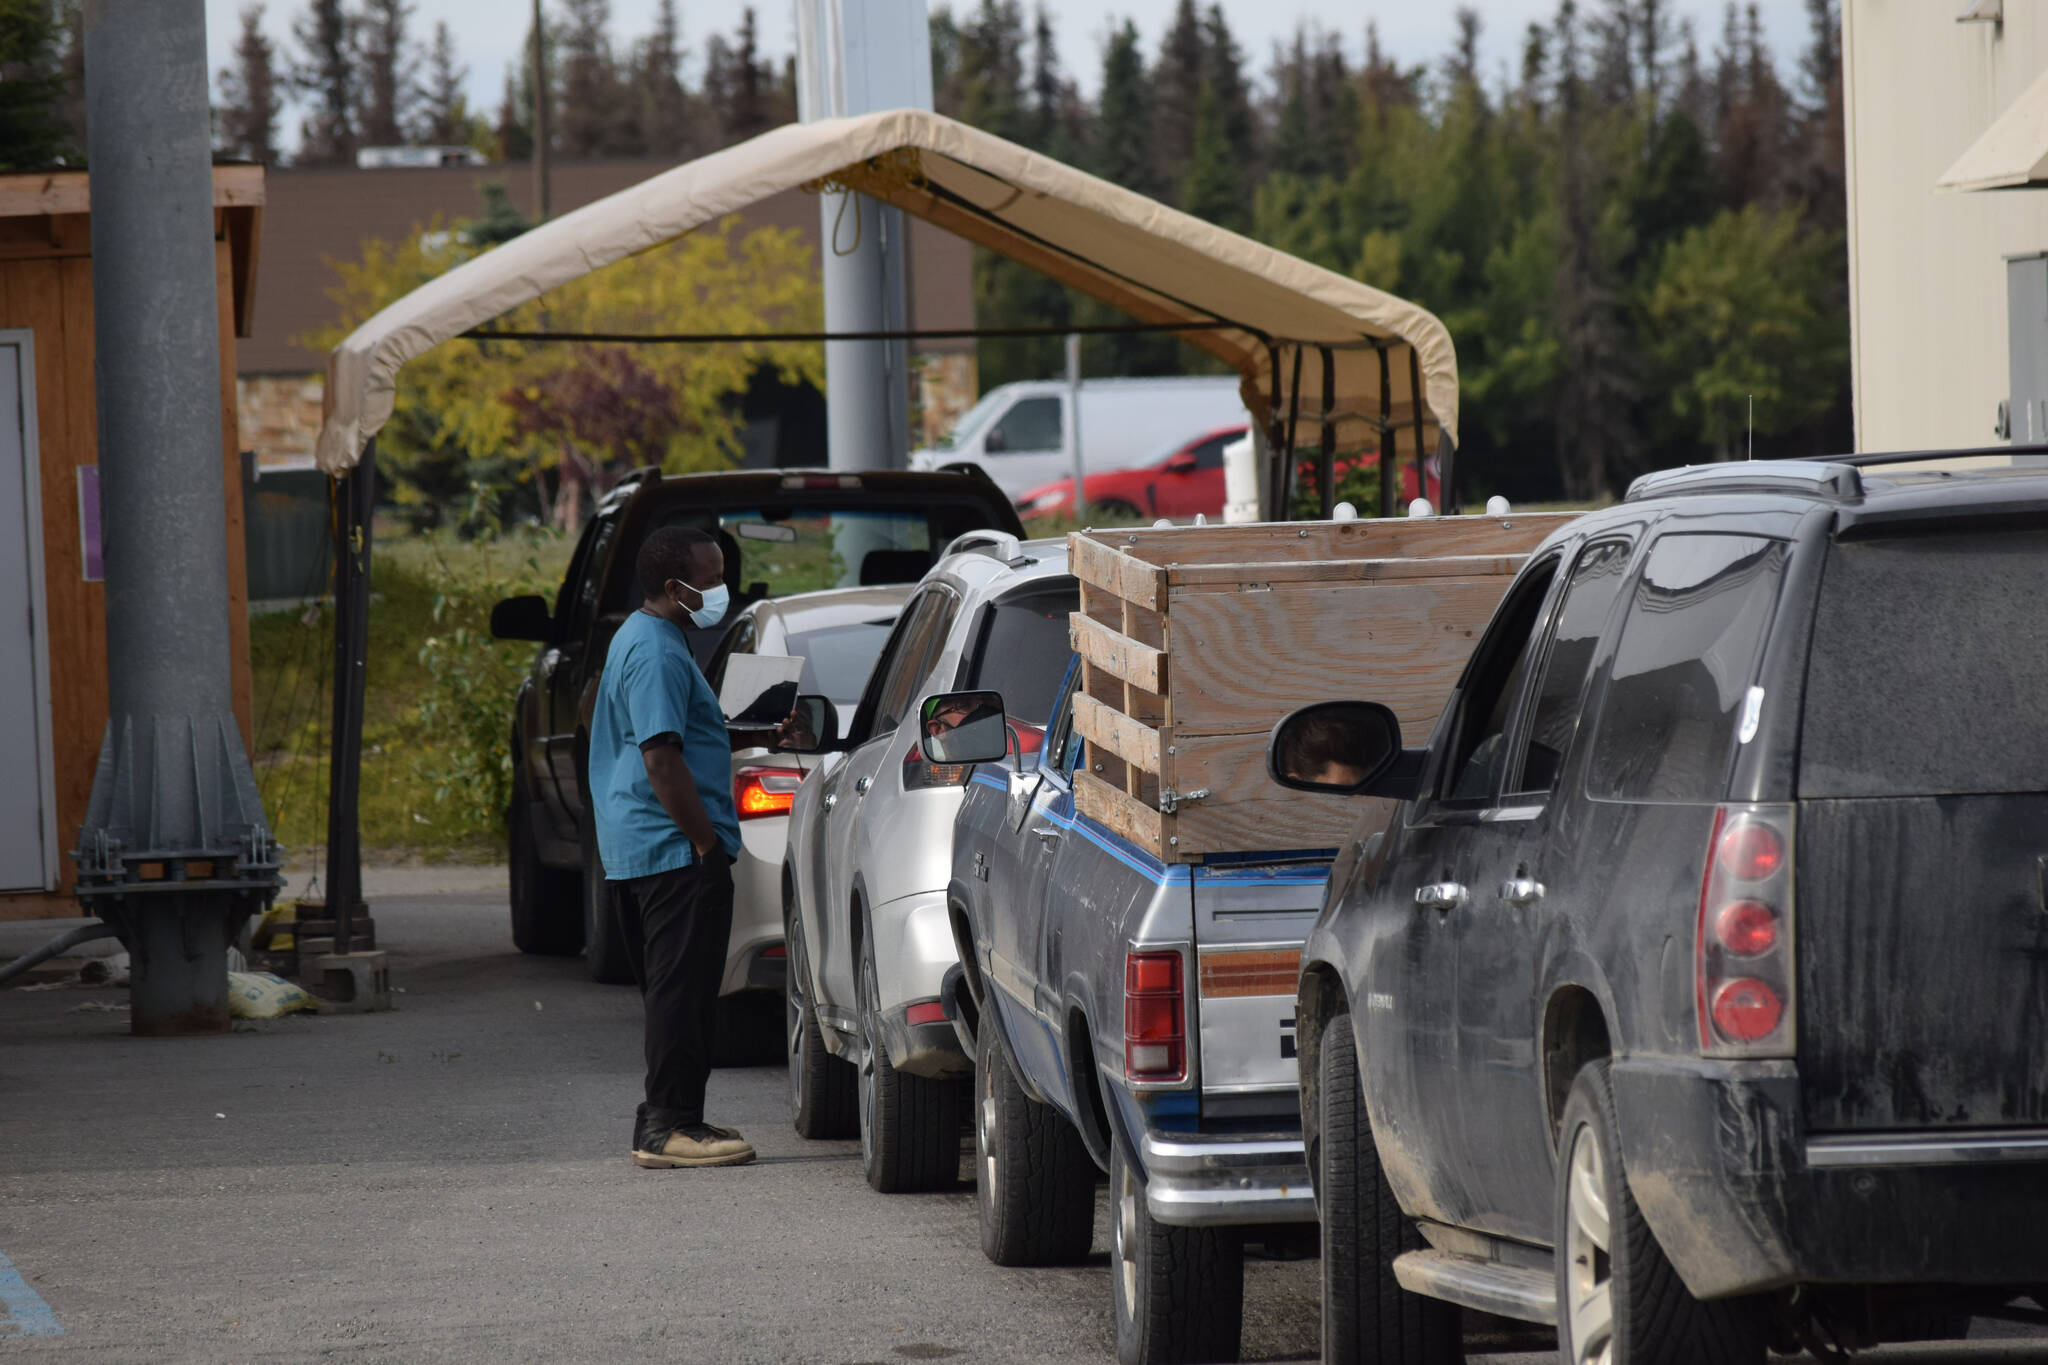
(1273, 543)
(1100, 723)
(241, 685)
(1243, 801)
(1119, 656)
(1094, 560)
(1121, 814)
(46, 192)
(1238, 577)
(1241, 661)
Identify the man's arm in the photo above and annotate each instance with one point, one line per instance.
(677, 791)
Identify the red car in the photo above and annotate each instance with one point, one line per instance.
(1186, 482)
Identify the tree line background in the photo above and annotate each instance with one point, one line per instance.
(1636, 236)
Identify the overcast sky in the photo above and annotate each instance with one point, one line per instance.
(489, 32)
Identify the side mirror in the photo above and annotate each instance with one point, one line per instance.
(522, 618)
(1335, 746)
(813, 726)
(964, 727)
(995, 443)
(1183, 463)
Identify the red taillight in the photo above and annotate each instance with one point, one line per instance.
(758, 792)
(1155, 1018)
(1746, 1009)
(918, 774)
(1746, 928)
(1751, 851)
(930, 1012)
(775, 950)
(1743, 959)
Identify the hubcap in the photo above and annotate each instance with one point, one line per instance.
(868, 992)
(985, 1134)
(1589, 1268)
(793, 998)
(1125, 1230)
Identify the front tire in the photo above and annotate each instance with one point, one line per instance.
(821, 1099)
(1177, 1293)
(909, 1125)
(544, 900)
(1034, 1180)
(1619, 1300)
(1367, 1317)
(604, 944)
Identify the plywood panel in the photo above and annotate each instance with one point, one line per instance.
(1277, 543)
(1241, 661)
(1243, 803)
(1246, 577)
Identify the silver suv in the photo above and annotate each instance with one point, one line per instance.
(870, 852)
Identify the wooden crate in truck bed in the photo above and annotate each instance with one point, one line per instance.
(1195, 641)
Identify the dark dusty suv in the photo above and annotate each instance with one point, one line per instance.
(1694, 996)
(783, 532)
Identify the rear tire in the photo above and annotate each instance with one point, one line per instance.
(1177, 1293)
(909, 1125)
(1618, 1297)
(821, 1098)
(1367, 1316)
(604, 946)
(1034, 1180)
(545, 904)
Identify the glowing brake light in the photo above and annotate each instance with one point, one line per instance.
(1155, 1018)
(1743, 961)
(759, 792)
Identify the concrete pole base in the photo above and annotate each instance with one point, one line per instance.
(178, 970)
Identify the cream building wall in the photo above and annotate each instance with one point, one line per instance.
(1927, 282)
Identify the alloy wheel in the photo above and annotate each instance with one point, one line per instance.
(869, 992)
(985, 1131)
(793, 1006)
(1124, 1232)
(1589, 1271)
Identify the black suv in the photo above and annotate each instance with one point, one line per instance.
(1694, 995)
(783, 532)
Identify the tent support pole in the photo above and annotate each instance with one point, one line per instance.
(1421, 452)
(1276, 443)
(355, 500)
(1326, 473)
(1284, 495)
(1390, 445)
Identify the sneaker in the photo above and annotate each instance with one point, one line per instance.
(699, 1144)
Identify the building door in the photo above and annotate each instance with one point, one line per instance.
(28, 814)
(2026, 313)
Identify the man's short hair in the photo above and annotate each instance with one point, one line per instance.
(666, 554)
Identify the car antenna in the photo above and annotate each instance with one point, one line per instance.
(1752, 427)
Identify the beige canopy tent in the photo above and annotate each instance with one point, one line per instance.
(1280, 322)
(2011, 154)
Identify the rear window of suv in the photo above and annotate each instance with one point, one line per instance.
(1686, 657)
(1023, 651)
(1929, 662)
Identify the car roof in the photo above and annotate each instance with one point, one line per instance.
(995, 564)
(824, 486)
(807, 611)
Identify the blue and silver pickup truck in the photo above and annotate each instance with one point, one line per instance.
(1130, 1015)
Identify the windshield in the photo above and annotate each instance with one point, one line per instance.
(838, 659)
(774, 552)
(972, 420)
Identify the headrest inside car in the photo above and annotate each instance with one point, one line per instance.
(893, 566)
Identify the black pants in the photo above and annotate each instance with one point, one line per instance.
(675, 928)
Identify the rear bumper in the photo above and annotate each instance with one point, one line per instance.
(756, 907)
(1742, 1199)
(1193, 1180)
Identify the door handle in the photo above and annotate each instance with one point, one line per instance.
(860, 788)
(1521, 891)
(1046, 835)
(1441, 895)
(831, 800)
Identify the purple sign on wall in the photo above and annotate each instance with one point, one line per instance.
(89, 522)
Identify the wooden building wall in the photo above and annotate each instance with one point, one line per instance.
(46, 287)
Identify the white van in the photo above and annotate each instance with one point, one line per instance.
(1022, 436)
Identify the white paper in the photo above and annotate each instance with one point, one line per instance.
(747, 676)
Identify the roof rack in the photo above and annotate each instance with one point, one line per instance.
(1000, 545)
(1833, 479)
(1885, 457)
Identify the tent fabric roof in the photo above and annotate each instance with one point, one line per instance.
(2012, 153)
(1153, 262)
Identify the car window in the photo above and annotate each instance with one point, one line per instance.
(1925, 676)
(586, 607)
(1687, 654)
(1063, 743)
(579, 565)
(922, 642)
(1209, 454)
(1589, 599)
(1032, 425)
(838, 659)
(1486, 699)
(1022, 652)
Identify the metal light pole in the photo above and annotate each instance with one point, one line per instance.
(862, 58)
(542, 208)
(175, 851)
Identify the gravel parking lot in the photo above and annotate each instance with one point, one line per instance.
(449, 1181)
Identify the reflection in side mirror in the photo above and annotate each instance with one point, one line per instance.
(964, 727)
(1334, 746)
(522, 618)
(813, 726)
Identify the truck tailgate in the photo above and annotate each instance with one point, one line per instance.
(1250, 920)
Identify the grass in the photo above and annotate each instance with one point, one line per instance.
(438, 689)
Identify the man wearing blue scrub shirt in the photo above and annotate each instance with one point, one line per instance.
(660, 782)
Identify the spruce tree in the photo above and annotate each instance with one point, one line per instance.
(444, 117)
(1121, 138)
(324, 75)
(587, 108)
(659, 99)
(1212, 188)
(1176, 87)
(33, 133)
(389, 70)
(250, 99)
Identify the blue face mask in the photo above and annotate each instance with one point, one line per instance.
(713, 610)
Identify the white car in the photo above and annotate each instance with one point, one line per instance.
(838, 634)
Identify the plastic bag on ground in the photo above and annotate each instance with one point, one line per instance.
(263, 995)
